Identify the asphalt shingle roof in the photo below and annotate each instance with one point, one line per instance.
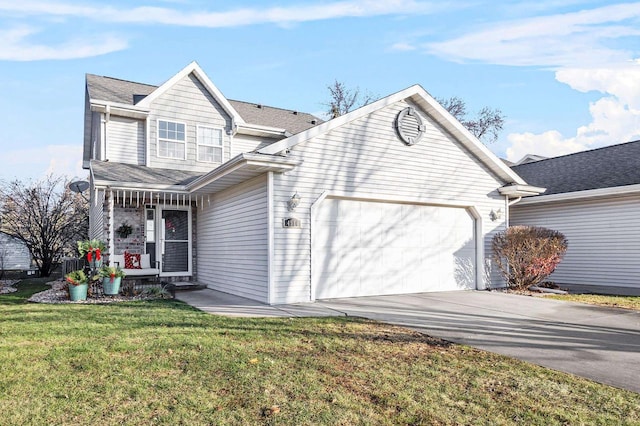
(129, 92)
(611, 166)
(119, 172)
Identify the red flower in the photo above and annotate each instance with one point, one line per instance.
(98, 256)
(112, 276)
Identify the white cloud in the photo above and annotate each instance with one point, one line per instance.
(15, 46)
(569, 39)
(37, 163)
(403, 47)
(590, 50)
(615, 118)
(230, 18)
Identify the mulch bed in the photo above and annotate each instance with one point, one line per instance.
(58, 294)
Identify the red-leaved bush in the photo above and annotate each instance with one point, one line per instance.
(526, 255)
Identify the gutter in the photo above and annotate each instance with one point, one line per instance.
(586, 194)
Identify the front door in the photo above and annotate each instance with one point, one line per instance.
(175, 244)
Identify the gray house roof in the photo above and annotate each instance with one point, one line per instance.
(611, 166)
(107, 171)
(130, 93)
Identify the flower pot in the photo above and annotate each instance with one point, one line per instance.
(95, 264)
(111, 286)
(78, 292)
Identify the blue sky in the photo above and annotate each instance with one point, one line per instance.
(566, 73)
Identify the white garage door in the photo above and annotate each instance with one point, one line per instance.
(363, 248)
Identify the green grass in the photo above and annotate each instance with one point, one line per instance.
(162, 362)
(627, 302)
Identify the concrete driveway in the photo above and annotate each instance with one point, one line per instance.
(602, 344)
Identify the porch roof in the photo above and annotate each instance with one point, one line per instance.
(141, 178)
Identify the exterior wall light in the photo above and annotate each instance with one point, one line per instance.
(495, 215)
(293, 202)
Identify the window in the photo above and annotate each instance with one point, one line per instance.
(209, 144)
(171, 140)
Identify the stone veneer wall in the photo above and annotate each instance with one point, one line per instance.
(133, 217)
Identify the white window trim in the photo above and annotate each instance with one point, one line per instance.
(170, 140)
(160, 240)
(222, 133)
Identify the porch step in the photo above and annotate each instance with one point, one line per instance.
(188, 286)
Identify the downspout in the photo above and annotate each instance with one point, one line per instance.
(507, 205)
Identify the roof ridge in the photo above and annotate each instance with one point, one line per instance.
(123, 80)
(576, 153)
(269, 106)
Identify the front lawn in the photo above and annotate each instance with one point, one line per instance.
(162, 362)
(627, 302)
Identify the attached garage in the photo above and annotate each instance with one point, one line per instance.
(364, 248)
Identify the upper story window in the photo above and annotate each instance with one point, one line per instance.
(209, 144)
(171, 140)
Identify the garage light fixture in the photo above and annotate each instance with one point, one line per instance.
(495, 215)
(293, 202)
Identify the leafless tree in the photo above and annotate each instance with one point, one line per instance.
(486, 125)
(343, 99)
(46, 216)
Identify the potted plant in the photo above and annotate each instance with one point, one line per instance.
(111, 279)
(93, 250)
(78, 284)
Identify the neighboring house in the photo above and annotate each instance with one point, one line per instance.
(278, 206)
(593, 197)
(14, 254)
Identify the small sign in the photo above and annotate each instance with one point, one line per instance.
(291, 222)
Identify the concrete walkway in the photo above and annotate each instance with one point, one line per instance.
(602, 344)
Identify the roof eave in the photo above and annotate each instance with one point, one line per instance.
(517, 190)
(116, 108)
(258, 130)
(246, 162)
(586, 194)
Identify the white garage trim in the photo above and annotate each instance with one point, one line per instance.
(471, 210)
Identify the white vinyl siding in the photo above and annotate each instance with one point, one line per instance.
(232, 242)
(187, 102)
(125, 140)
(171, 140)
(209, 144)
(603, 236)
(14, 255)
(247, 143)
(366, 158)
(96, 215)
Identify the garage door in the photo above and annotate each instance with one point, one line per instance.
(363, 248)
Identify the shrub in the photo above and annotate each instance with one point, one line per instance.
(526, 255)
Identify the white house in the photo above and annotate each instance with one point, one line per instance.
(277, 206)
(14, 255)
(593, 198)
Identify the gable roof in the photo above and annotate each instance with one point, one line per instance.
(193, 68)
(607, 167)
(428, 104)
(114, 90)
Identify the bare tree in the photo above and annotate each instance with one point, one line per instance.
(46, 216)
(343, 100)
(486, 125)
